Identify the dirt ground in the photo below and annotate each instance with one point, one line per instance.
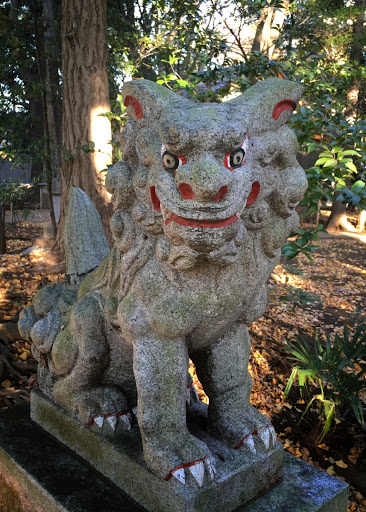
(337, 279)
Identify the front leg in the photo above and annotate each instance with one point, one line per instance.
(223, 371)
(161, 368)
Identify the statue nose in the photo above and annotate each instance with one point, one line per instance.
(208, 182)
(186, 192)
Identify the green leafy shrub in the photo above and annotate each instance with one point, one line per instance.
(298, 297)
(303, 243)
(331, 370)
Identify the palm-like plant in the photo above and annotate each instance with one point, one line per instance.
(331, 368)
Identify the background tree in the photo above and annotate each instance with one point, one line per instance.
(85, 95)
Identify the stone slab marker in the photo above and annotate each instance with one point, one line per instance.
(205, 197)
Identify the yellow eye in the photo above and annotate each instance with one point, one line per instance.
(170, 161)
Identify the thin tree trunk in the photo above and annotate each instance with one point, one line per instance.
(338, 217)
(362, 221)
(48, 158)
(2, 230)
(356, 57)
(85, 96)
(54, 104)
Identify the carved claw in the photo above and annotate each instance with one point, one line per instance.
(211, 466)
(125, 419)
(198, 472)
(112, 420)
(99, 420)
(180, 475)
(273, 435)
(249, 443)
(265, 435)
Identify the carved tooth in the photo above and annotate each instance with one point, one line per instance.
(112, 420)
(249, 442)
(210, 463)
(99, 421)
(265, 436)
(273, 435)
(198, 471)
(180, 476)
(126, 420)
(134, 410)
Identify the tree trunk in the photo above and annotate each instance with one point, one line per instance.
(266, 36)
(2, 230)
(85, 96)
(356, 57)
(338, 217)
(362, 221)
(54, 105)
(41, 66)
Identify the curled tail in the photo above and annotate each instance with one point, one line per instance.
(85, 247)
(85, 241)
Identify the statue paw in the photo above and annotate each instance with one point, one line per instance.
(261, 439)
(103, 409)
(248, 431)
(180, 457)
(113, 420)
(196, 468)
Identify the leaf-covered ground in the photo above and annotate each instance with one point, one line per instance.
(338, 279)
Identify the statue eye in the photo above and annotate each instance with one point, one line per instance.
(170, 161)
(236, 158)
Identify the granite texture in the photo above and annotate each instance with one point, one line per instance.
(53, 479)
(58, 481)
(205, 197)
(120, 458)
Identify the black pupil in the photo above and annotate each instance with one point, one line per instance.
(170, 161)
(237, 158)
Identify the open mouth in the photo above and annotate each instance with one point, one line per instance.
(169, 216)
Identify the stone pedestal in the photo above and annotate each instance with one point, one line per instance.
(119, 457)
(39, 474)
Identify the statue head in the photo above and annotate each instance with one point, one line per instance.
(198, 170)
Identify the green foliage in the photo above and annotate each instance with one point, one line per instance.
(340, 164)
(332, 371)
(297, 297)
(12, 191)
(303, 243)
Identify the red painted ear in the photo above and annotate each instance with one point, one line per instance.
(130, 100)
(281, 106)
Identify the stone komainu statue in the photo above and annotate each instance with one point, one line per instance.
(205, 197)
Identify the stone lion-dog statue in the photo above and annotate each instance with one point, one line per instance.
(205, 197)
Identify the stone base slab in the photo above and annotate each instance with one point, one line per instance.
(239, 478)
(50, 478)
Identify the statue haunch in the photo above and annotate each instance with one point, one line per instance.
(205, 197)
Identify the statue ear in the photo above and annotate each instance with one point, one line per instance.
(145, 100)
(268, 104)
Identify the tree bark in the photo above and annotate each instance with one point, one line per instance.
(266, 35)
(2, 229)
(356, 57)
(338, 217)
(54, 104)
(362, 221)
(85, 96)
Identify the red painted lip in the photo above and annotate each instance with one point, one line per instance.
(204, 223)
(201, 223)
